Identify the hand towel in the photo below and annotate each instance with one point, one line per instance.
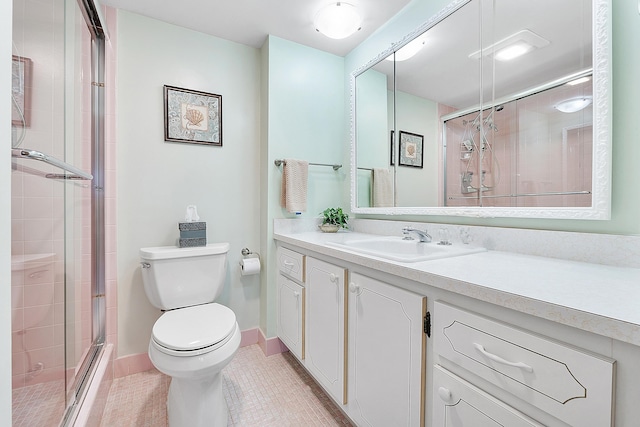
(293, 196)
(382, 191)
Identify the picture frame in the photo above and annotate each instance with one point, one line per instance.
(21, 72)
(192, 116)
(411, 151)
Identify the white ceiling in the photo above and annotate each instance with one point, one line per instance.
(250, 21)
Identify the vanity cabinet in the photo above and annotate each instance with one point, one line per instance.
(386, 354)
(570, 384)
(457, 403)
(291, 301)
(325, 326)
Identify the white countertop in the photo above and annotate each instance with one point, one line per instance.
(597, 298)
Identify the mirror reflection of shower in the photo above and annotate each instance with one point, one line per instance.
(477, 150)
(525, 152)
(20, 81)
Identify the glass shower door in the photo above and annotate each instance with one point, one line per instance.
(79, 271)
(53, 240)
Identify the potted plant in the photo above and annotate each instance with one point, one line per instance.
(333, 219)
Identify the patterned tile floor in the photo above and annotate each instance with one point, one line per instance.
(260, 391)
(39, 404)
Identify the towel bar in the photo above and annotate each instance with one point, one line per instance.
(335, 167)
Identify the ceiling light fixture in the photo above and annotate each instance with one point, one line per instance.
(409, 50)
(512, 47)
(574, 105)
(337, 20)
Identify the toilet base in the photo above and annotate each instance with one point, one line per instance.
(197, 403)
(195, 395)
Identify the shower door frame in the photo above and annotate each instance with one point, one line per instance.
(97, 28)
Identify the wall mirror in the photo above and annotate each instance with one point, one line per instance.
(492, 108)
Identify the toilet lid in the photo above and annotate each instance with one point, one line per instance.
(195, 327)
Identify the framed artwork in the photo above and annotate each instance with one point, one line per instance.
(21, 69)
(411, 152)
(191, 116)
(392, 157)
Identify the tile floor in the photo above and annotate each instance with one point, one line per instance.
(260, 391)
(38, 405)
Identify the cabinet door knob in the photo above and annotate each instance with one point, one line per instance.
(445, 394)
(353, 288)
(333, 278)
(296, 294)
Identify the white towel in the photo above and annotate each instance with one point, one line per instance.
(293, 196)
(382, 191)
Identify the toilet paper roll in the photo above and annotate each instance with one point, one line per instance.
(249, 266)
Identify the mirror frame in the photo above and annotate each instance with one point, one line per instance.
(601, 167)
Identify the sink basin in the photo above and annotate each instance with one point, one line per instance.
(396, 249)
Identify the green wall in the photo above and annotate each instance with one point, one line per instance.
(303, 118)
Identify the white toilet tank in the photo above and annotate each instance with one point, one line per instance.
(180, 277)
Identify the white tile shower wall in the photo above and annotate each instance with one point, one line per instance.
(606, 249)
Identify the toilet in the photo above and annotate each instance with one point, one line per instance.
(195, 337)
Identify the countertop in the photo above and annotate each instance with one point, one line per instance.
(597, 298)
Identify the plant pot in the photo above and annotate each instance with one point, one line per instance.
(329, 228)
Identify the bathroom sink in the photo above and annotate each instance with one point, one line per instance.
(397, 249)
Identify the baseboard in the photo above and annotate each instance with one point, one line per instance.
(270, 346)
(131, 364)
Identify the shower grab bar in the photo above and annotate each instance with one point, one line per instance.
(559, 193)
(279, 162)
(25, 153)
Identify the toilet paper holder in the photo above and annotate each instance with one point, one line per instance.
(249, 265)
(247, 252)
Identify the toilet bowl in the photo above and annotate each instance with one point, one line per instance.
(195, 338)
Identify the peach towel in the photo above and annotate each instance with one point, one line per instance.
(293, 195)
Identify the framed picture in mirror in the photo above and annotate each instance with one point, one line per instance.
(411, 149)
(392, 156)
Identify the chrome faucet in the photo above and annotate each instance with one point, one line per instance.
(422, 235)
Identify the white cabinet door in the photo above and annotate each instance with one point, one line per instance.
(325, 326)
(290, 322)
(386, 354)
(457, 403)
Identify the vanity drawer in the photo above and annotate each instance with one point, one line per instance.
(571, 384)
(291, 264)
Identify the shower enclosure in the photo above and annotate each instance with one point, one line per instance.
(524, 151)
(58, 251)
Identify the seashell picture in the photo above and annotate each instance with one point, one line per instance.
(192, 116)
(411, 149)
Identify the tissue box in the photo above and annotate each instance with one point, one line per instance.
(192, 242)
(192, 226)
(192, 234)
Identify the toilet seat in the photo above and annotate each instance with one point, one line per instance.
(192, 331)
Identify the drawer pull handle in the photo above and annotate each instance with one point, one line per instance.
(333, 277)
(499, 359)
(288, 264)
